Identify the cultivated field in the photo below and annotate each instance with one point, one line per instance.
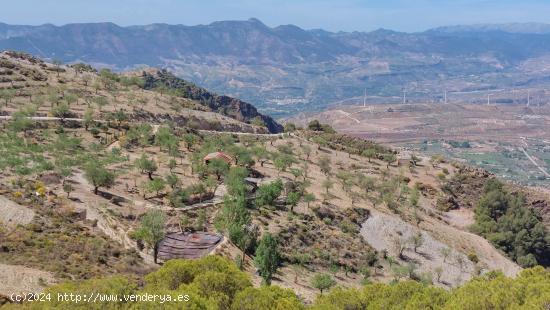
(509, 140)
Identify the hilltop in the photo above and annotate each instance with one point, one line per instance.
(93, 186)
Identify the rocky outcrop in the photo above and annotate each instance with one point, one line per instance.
(232, 107)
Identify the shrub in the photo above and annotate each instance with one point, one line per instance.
(473, 257)
(322, 282)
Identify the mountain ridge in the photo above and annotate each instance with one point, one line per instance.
(286, 69)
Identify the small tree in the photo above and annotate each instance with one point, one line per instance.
(172, 180)
(190, 140)
(152, 230)
(445, 252)
(306, 150)
(67, 188)
(101, 102)
(438, 272)
(327, 185)
(184, 222)
(296, 173)
(86, 79)
(99, 176)
(70, 98)
(120, 116)
(267, 193)
(57, 65)
(289, 127)
(234, 180)
(156, 185)
(261, 154)
(355, 197)
(365, 272)
(414, 197)
(298, 270)
(417, 240)
(324, 164)
(345, 180)
(61, 110)
(399, 246)
(435, 160)
(322, 282)
(7, 95)
(309, 198)
(267, 257)
(368, 183)
(292, 200)
(172, 164)
(369, 153)
(146, 165)
(199, 189)
(282, 162)
(88, 118)
(391, 261)
(389, 158)
(200, 223)
(258, 121)
(415, 159)
(314, 125)
(218, 167)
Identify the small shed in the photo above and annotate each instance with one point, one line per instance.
(188, 245)
(219, 155)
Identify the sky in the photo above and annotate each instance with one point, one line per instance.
(333, 15)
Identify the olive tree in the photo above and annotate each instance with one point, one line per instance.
(152, 230)
(99, 176)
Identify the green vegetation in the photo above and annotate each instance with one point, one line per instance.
(504, 219)
(267, 193)
(322, 282)
(99, 176)
(44, 164)
(146, 165)
(458, 144)
(267, 257)
(151, 230)
(56, 241)
(505, 161)
(216, 283)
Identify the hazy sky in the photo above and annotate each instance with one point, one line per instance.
(347, 15)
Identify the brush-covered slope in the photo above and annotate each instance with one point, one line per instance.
(140, 94)
(100, 184)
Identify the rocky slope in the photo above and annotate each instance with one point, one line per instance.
(225, 105)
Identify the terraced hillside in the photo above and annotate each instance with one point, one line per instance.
(104, 169)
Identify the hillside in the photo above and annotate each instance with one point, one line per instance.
(510, 141)
(145, 95)
(94, 192)
(286, 70)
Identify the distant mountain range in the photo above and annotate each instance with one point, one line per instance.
(533, 28)
(286, 69)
